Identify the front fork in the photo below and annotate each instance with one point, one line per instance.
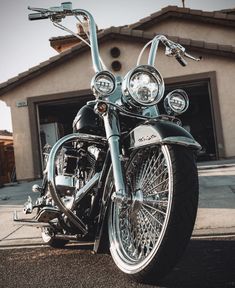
(111, 124)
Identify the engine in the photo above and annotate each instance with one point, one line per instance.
(75, 166)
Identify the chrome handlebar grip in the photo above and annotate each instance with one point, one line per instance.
(38, 16)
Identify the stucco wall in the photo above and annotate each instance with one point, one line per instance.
(225, 69)
(195, 30)
(76, 73)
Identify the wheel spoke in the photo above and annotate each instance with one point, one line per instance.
(153, 188)
(151, 215)
(152, 181)
(150, 223)
(156, 192)
(151, 167)
(155, 209)
(150, 233)
(146, 171)
(140, 223)
(149, 179)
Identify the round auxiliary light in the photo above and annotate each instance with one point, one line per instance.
(176, 102)
(143, 86)
(103, 83)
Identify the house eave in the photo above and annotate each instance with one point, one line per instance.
(114, 33)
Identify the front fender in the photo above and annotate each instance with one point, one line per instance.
(160, 132)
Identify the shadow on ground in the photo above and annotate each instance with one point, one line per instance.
(206, 263)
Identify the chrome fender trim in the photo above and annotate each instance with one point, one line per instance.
(161, 132)
(181, 140)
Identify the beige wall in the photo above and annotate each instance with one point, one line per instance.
(75, 74)
(196, 30)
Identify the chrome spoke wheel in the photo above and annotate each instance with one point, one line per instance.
(137, 228)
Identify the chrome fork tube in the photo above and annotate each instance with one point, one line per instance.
(112, 129)
(154, 47)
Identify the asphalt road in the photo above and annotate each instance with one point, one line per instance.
(206, 263)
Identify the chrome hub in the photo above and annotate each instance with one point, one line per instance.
(137, 200)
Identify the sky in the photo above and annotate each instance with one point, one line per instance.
(25, 44)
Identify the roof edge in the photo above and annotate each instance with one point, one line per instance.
(169, 11)
(110, 33)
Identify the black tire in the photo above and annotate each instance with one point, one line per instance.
(148, 236)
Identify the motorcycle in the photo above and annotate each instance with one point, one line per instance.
(126, 178)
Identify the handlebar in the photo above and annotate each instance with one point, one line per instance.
(181, 60)
(56, 14)
(172, 49)
(38, 16)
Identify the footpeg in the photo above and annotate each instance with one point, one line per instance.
(42, 219)
(28, 206)
(47, 214)
(36, 188)
(28, 222)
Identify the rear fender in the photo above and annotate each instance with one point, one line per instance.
(160, 132)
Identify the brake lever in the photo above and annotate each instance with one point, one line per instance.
(180, 59)
(192, 57)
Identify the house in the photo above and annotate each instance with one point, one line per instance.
(7, 163)
(50, 94)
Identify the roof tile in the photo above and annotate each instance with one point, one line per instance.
(215, 17)
(23, 74)
(208, 14)
(197, 43)
(183, 10)
(125, 31)
(196, 12)
(170, 7)
(146, 19)
(212, 46)
(148, 35)
(227, 48)
(156, 14)
(184, 41)
(137, 33)
(230, 17)
(219, 15)
(12, 80)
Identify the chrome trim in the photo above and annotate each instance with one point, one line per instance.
(129, 243)
(113, 136)
(168, 105)
(127, 96)
(146, 135)
(93, 40)
(95, 88)
(51, 173)
(28, 222)
(85, 189)
(181, 140)
(154, 47)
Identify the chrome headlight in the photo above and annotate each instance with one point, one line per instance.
(143, 86)
(103, 84)
(176, 102)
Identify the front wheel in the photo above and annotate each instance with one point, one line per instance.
(149, 233)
